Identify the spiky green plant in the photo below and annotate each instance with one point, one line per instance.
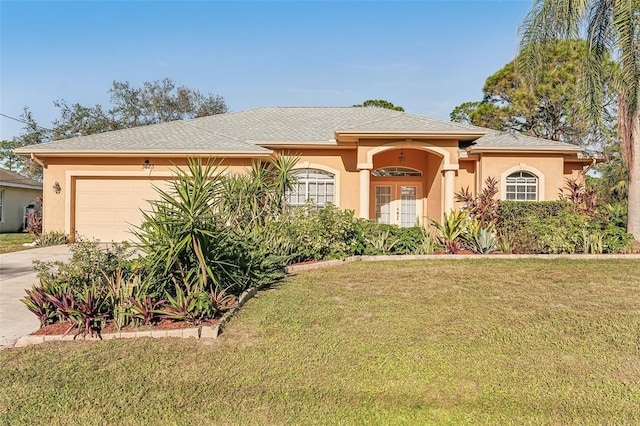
(451, 229)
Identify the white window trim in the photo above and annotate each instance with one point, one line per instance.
(336, 177)
(522, 167)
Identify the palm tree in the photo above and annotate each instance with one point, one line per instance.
(612, 29)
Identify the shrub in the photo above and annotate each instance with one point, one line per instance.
(385, 239)
(53, 238)
(314, 234)
(485, 207)
(557, 227)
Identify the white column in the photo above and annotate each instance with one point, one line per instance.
(449, 189)
(365, 179)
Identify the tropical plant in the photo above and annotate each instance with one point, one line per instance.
(143, 309)
(181, 235)
(190, 306)
(37, 301)
(91, 310)
(485, 207)
(451, 229)
(480, 238)
(34, 219)
(583, 200)
(380, 242)
(611, 28)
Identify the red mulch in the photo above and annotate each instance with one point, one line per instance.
(110, 327)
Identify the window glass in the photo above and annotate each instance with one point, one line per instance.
(315, 186)
(396, 172)
(522, 186)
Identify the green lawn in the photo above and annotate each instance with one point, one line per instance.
(13, 241)
(424, 342)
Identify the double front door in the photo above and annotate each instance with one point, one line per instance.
(398, 203)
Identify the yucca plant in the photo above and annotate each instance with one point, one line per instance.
(181, 233)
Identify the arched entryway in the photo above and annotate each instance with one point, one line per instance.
(404, 186)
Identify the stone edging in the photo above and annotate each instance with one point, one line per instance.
(294, 269)
(209, 333)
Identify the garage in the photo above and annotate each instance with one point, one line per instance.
(107, 208)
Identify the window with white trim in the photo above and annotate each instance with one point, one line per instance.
(522, 186)
(314, 186)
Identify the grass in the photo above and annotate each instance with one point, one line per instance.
(10, 242)
(423, 342)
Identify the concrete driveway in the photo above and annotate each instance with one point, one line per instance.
(17, 274)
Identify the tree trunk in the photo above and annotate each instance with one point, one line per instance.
(633, 218)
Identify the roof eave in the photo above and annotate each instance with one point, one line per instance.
(21, 186)
(537, 149)
(365, 134)
(144, 153)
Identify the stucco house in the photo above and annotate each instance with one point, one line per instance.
(386, 165)
(16, 194)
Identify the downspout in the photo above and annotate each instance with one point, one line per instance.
(38, 161)
(593, 163)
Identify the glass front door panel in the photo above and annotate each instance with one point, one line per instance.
(408, 210)
(383, 204)
(398, 204)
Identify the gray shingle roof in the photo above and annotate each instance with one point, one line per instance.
(9, 178)
(295, 124)
(245, 131)
(172, 136)
(516, 140)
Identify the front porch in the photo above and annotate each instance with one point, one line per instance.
(405, 183)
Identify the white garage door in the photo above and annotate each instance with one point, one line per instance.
(107, 208)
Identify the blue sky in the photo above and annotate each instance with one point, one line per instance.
(427, 56)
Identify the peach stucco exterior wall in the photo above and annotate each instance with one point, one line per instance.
(63, 170)
(343, 164)
(549, 168)
(432, 158)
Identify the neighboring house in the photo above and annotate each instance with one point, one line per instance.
(16, 194)
(386, 165)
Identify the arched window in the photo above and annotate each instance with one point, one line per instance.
(316, 186)
(522, 186)
(396, 172)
